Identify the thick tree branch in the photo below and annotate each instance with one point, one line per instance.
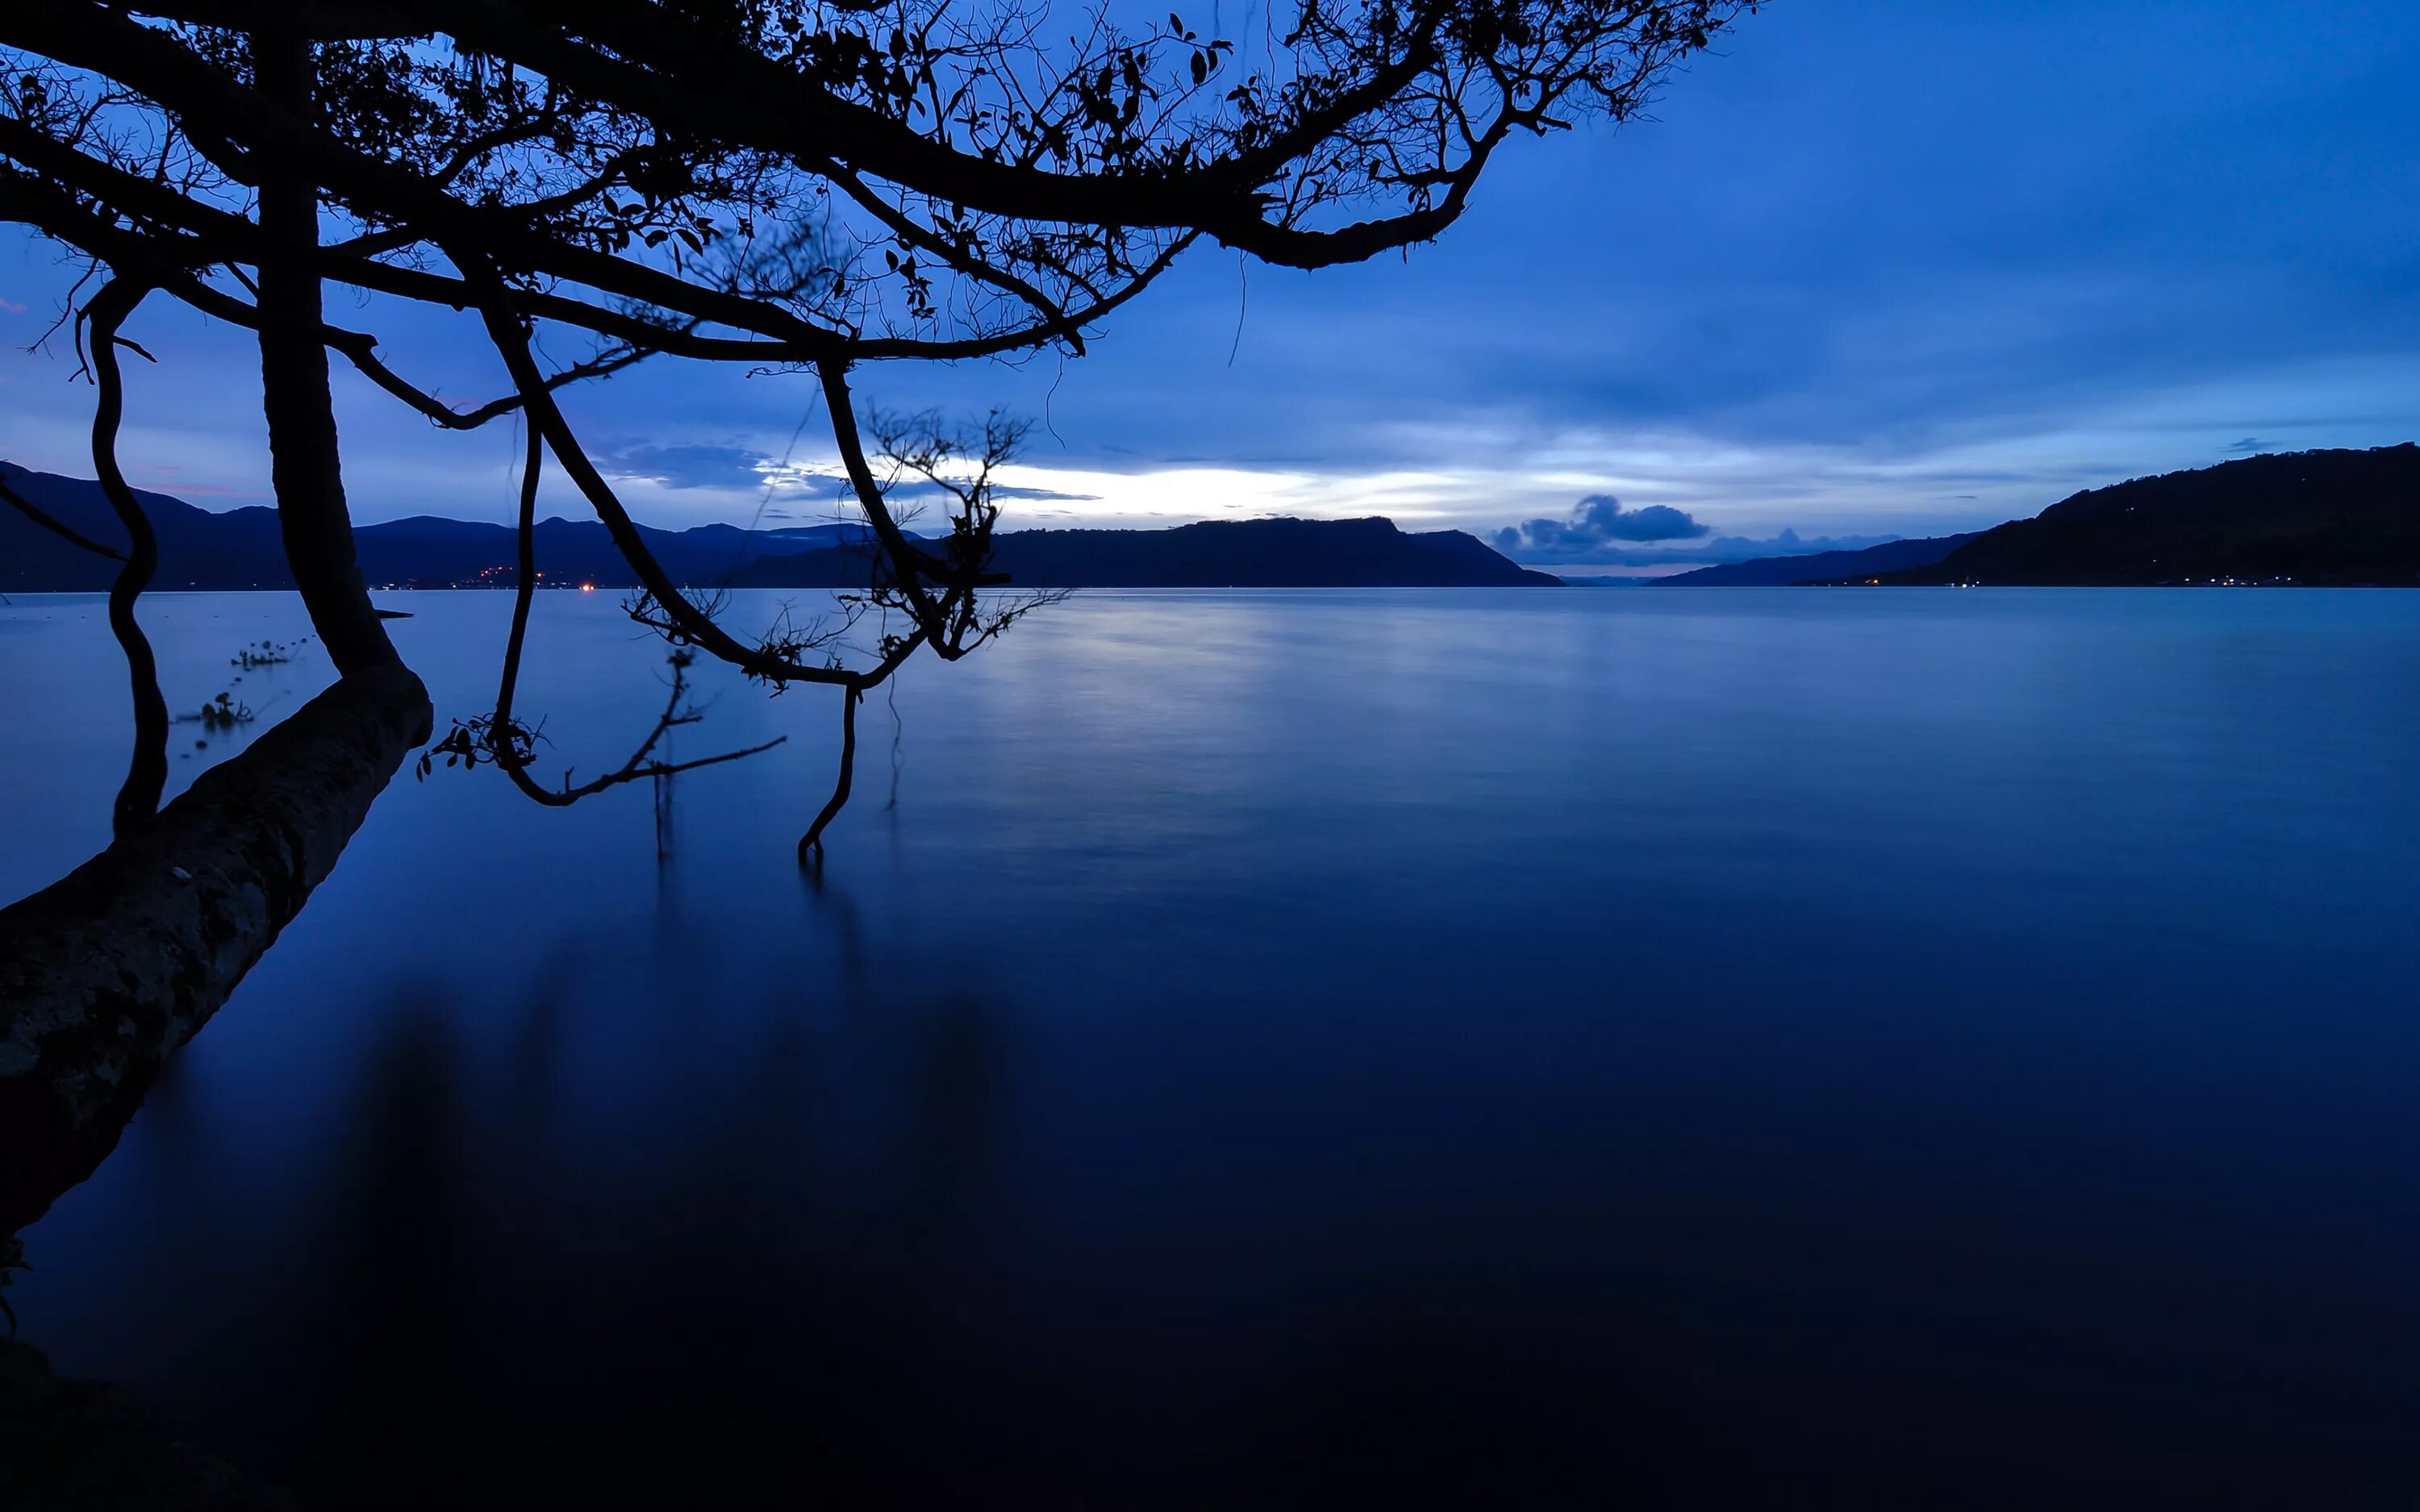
(274, 124)
(737, 95)
(204, 235)
(104, 974)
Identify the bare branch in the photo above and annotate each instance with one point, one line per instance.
(147, 770)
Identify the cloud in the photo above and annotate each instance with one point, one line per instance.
(709, 465)
(1721, 548)
(706, 466)
(690, 467)
(2251, 445)
(1596, 522)
(1788, 544)
(1009, 490)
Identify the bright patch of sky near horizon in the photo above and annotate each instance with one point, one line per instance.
(1878, 267)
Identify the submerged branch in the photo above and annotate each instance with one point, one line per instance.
(503, 741)
(511, 342)
(810, 844)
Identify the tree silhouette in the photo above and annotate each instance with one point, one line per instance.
(808, 186)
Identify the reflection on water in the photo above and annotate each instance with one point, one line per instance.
(715, 1299)
(1659, 1049)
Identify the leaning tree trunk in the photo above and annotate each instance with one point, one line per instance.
(104, 974)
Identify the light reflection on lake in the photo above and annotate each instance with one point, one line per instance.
(1595, 1048)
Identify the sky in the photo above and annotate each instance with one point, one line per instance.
(1872, 269)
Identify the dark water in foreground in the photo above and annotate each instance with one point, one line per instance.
(1678, 1049)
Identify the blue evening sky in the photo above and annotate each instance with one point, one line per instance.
(1877, 267)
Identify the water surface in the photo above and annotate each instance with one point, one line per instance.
(1736, 1049)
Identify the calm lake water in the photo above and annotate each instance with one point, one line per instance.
(1730, 1049)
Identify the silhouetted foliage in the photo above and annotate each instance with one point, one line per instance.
(267, 653)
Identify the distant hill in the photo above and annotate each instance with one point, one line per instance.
(1255, 553)
(240, 549)
(1263, 553)
(194, 544)
(1819, 566)
(2343, 518)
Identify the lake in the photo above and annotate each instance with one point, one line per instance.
(1662, 1048)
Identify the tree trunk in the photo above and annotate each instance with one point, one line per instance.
(304, 466)
(105, 973)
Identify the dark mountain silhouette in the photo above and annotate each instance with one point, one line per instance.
(240, 549)
(229, 550)
(2346, 517)
(1275, 553)
(1819, 566)
(1257, 554)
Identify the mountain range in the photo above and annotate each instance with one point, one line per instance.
(2323, 519)
(1260, 553)
(240, 549)
(2348, 518)
(1819, 566)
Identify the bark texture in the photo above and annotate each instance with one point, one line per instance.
(106, 972)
